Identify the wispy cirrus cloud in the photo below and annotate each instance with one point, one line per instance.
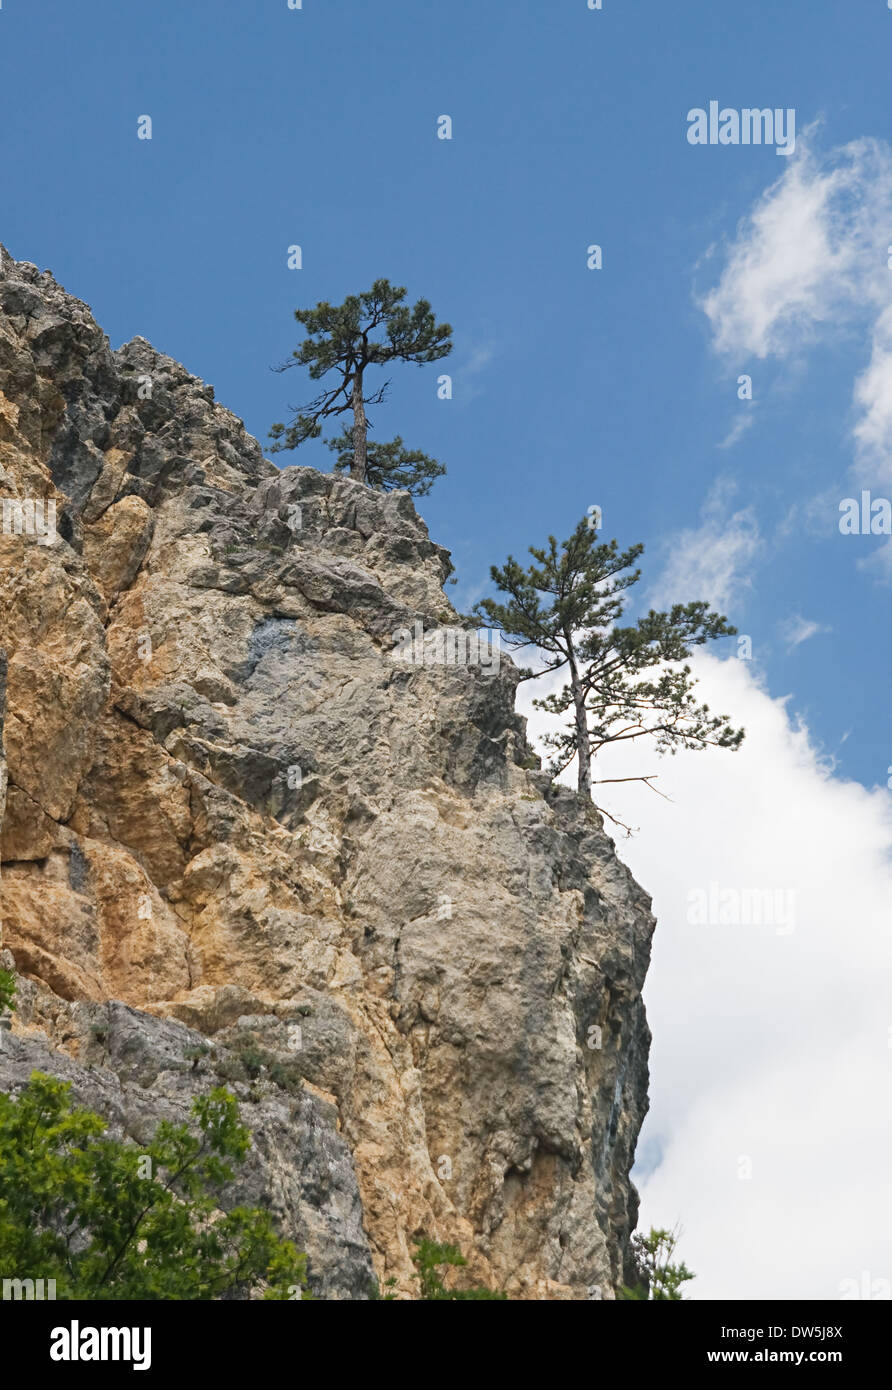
(796, 630)
(712, 560)
(473, 362)
(743, 422)
(810, 259)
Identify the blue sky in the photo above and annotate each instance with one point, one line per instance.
(574, 387)
(318, 127)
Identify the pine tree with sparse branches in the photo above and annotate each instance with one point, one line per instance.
(625, 682)
(345, 340)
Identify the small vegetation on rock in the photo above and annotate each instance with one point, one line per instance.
(660, 1279)
(429, 1258)
(7, 990)
(247, 1058)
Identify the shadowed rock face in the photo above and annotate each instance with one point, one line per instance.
(229, 808)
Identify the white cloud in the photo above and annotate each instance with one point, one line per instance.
(811, 259)
(743, 422)
(797, 629)
(473, 364)
(816, 516)
(464, 595)
(480, 357)
(712, 560)
(769, 1045)
(873, 397)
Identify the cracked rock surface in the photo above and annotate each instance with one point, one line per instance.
(230, 813)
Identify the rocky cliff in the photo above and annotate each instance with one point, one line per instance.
(241, 840)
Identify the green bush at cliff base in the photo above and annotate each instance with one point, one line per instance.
(109, 1220)
(660, 1279)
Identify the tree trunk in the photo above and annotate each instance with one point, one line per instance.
(583, 745)
(360, 431)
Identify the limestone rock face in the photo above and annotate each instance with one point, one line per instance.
(233, 811)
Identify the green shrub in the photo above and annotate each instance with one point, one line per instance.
(659, 1279)
(109, 1220)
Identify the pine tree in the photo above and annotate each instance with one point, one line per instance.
(567, 606)
(389, 466)
(342, 339)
